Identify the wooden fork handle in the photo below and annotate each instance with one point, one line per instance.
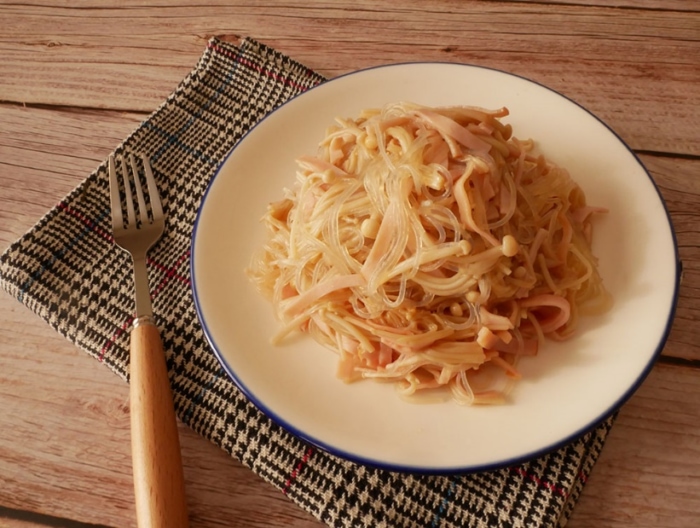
(155, 447)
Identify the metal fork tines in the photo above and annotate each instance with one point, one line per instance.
(159, 489)
(144, 222)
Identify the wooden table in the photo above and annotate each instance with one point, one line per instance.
(76, 80)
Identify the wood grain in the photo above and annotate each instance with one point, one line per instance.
(669, 5)
(78, 76)
(649, 479)
(66, 452)
(28, 152)
(45, 153)
(649, 472)
(648, 90)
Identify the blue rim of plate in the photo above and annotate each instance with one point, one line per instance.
(422, 469)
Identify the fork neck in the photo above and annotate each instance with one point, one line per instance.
(144, 320)
(143, 296)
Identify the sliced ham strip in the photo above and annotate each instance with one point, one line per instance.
(465, 208)
(554, 322)
(450, 127)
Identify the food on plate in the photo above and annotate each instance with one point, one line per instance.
(432, 248)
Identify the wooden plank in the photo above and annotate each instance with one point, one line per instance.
(65, 447)
(45, 154)
(649, 472)
(69, 144)
(11, 522)
(651, 96)
(79, 437)
(680, 188)
(666, 5)
(440, 6)
(61, 439)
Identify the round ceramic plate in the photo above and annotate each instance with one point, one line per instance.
(565, 390)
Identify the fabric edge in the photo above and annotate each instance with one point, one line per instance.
(594, 447)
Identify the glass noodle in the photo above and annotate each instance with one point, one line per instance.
(429, 247)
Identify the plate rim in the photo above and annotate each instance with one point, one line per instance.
(417, 468)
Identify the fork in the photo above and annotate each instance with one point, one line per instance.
(155, 447)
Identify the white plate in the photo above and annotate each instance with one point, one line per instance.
(567, 389)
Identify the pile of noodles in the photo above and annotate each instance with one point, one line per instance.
(429, 247)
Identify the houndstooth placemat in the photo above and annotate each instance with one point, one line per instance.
(64, 269)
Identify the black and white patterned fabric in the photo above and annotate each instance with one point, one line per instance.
(66, 269)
